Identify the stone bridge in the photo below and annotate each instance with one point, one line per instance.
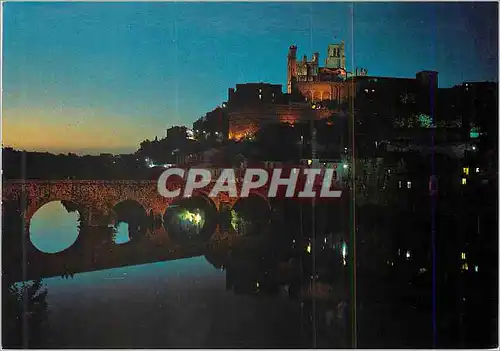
(93, 250)
(101, 196)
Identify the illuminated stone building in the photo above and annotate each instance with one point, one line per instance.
(317, 91)
(318, 83)
(253, 105)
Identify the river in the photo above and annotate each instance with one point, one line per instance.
(185, 303)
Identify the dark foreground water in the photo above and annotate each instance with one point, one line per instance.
(248, 298)
(186, 303)
(177, 304)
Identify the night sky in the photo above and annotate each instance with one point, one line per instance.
(101, 77)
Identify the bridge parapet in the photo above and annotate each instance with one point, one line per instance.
(103, 195)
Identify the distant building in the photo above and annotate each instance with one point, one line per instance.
(379, 104)
(317, 83)
(250, 94)
(478, 104)
(334, 83)
(177, 133)
(420, 91)
(214, 125)
(251, 106)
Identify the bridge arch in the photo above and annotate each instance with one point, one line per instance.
(251, 215)
(191, 219)
(129, 199)
(205, 195)
(55, 232)
(35, 204)
(133, 213)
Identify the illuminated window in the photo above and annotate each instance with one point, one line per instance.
(466, 170)
(465, 267)
(477, 169)
(408, 184)
(399, 184)
(464, 181)
(474, 134)
(463, 256)
(476, 269)
(260, 97)
(344, 250)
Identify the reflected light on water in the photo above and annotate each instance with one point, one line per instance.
(54, 229)
(122, 234)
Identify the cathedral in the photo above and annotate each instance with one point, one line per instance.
(250, 106)
(253, 105)
(318, 83)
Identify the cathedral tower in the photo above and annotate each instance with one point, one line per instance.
(336, 56)
(292, 68)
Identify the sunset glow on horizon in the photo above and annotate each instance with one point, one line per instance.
(78, 131)
(88, 78)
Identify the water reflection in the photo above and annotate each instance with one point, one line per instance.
(121, 233)
(250, 297)
(53, 228)
(130, 221)
(250, 216)
(191, 220)
(181, 303)
(278, 289)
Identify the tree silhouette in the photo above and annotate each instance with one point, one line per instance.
(25, 314)
(12, 238)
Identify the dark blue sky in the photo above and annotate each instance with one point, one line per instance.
(104, 76)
